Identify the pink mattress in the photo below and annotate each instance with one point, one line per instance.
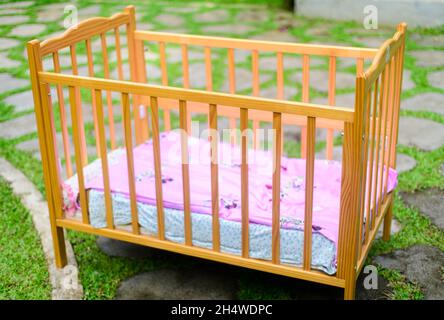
(327, 182)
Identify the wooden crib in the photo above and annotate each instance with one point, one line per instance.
(369, 131)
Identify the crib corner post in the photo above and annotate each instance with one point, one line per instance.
(46, 147)
(351, 193)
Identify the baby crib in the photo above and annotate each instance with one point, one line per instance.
(368, 140)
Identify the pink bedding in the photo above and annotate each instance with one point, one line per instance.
(327, 181)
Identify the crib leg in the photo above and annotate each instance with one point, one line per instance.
(387, 223)
(58, 239)
(350, 289)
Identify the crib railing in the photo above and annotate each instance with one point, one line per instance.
(255, 47)
(369, 130)
(381, 97)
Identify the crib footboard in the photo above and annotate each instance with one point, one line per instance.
(368, 143)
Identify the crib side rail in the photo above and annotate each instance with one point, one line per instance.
(126, 90)
(369, 150)
(306, 53)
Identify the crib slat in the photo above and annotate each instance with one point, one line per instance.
(76, 127)
(371, 163)
(255, 71)
(214, 180)
(163, 67)
(185, 67)
(305, 98)
(157, 167)
(280, 75)
(232, 83)
(91, 74)
(256, 134)
(384, 136)
(104, 159)
(111, 125)
(391, 102)
(244, 182)
(118, 54)
(231, 70)
(378, 140)
(130, 161)
(275, 240)
(75, 71)
(138, 73)
(185, 170)
(208, 71)
(367, 115)
(392, 116)
(359, 66)
(309, 184)
(63, 122)
(331, 102)
(163, 63)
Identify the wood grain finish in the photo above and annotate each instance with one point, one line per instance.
(130, 162)
(214, 180)
(244, 183)
(104, 159)
(185, 170)
(309, 185)
(157, 167)
(277, 154)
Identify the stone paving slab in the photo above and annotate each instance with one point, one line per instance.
(18, 4)
(7, 62)
(27, 30)
(404, 163)
(429, 40)
(319, 80)
(428, 58)
(275, 35)
(420, 264)
(429, 202)
(170, 20)
(14, 20)
(342, 100)
(422, 133)
(436, 79)
(10, 83)
(244, 80)
(429, 101)
(51, 12)
(7, 43)
(226, 29)
(22, 101)
(290, 62)
(219, 15)
(180, 284)
(18, 127)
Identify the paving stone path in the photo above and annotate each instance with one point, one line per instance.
(429, 202)
(420, 264)
(421, 124)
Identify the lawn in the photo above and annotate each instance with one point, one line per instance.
(23, 269)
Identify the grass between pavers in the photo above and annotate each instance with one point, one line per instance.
(101, 274)
(23, 269)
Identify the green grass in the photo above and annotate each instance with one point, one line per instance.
(101, 274)
(23, 269)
